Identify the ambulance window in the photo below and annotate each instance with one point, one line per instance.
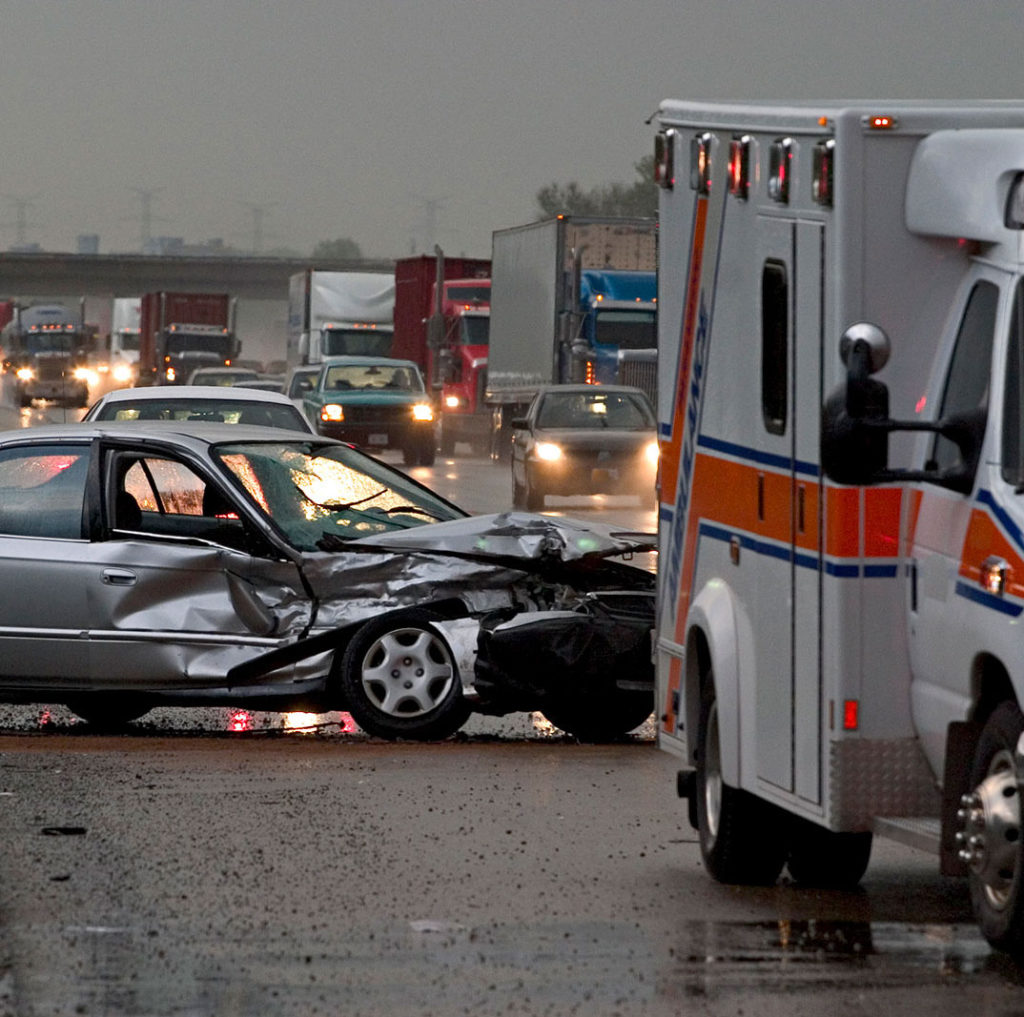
(968, 379)
(1012, 466)
(774, 346)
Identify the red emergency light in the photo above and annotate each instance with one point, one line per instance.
(739, 167)
(823, 170)
(780, 168)
(700, 163)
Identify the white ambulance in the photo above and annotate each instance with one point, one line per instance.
(840, 644)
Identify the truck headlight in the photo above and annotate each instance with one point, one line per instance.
(332, 412)
(548, 451)
(423, 411)
(25, 374)
(170, 374)
(452, 402)
(121, 373)
(87, 375)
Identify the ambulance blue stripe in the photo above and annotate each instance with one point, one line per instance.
(978, 596)
(756, 456)
(781, 552)
(1012, 529)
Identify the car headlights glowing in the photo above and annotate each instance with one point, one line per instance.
(332, 412)
(548, 451)
(122, 372)
(422, 411)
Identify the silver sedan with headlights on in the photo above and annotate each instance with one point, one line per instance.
(584, 439)
(167, 563)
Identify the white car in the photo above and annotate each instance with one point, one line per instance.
(213, 403)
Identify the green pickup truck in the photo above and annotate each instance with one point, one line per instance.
(375, 403)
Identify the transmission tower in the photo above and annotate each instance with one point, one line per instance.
(259, 212)
(146, 218)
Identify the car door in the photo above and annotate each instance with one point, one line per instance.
(44, 564)
(185, 588)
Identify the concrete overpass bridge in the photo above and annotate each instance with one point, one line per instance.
(260, 283)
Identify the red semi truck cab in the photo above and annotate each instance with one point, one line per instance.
(466, 317)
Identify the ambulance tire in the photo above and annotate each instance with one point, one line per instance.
(997, 890)
(823, 858)
(743, 839)
(600, 718)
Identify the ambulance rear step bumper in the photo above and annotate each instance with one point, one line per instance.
(922, 832)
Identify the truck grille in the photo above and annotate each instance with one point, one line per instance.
(642, 374)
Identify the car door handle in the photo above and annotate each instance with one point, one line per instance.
(119, 577)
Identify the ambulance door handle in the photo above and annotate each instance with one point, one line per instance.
(760, 497)
(801, 495)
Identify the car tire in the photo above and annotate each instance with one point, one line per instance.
(428, 454)
(743, 839)
(447, 442)
(108, 713)
(823, 858)
(992, 819)
(600, 718)
(398, 679)
(518, 494)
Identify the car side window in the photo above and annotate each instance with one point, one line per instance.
(158, 495)
(1012, 461)
(42, 490)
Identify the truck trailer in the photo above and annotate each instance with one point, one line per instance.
(184, 331)
(339, 314)
(841, 527)
(448, 339)
(573, 300)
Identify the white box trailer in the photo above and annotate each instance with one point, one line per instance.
(339, 313)
(841, 350)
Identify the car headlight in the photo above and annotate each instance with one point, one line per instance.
(87, 375)
(332, 412)
(423, 411)
(651, 453)
(122, 372)
(25, 374)
(548, 451)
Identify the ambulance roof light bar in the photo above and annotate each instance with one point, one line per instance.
(700, 162)
(739, 166)
(780, 169)
(823, 172)
(664, 159)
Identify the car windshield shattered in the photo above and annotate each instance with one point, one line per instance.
(321, 496)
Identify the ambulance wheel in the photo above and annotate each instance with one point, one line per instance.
(398, 679)
(991, 842)
(823, 858)
(742, 838)
(600, 718)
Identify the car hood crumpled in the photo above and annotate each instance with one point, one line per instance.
(516, 535)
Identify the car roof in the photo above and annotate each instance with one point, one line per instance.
(354, 361)
(192, 393)
(191, 435)
(594, 390)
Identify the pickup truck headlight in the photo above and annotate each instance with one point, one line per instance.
(25, 374)
(422, 411)
(332, 412)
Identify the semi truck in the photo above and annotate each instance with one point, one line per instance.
(47, 348)
(125, 335)
(841, 524)
(573, 300)
(180, 332)
(448, 339)
(339, 314)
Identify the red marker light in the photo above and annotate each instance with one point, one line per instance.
(850, 714)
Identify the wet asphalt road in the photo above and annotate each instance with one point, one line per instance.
(214, 863)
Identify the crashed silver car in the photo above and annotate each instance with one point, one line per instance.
(211, 564)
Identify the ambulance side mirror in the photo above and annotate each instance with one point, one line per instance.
(854, 435)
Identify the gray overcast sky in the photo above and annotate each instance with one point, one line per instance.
(348, 118)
